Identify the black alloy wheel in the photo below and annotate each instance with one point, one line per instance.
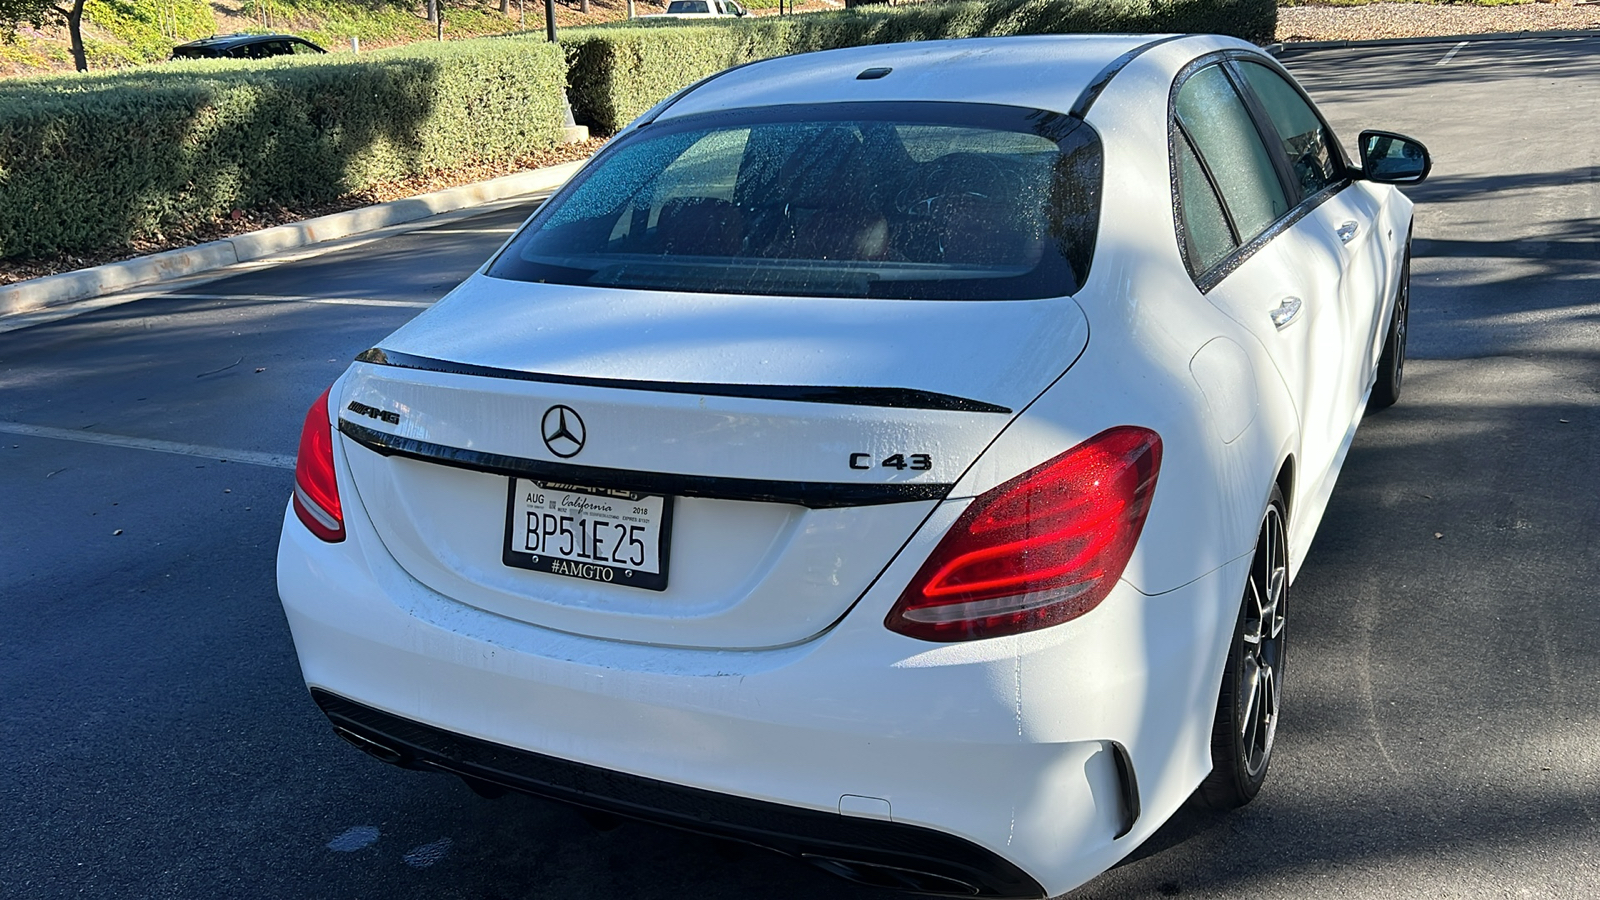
(1392, 364)
(1246, 723)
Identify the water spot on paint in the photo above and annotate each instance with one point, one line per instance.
(354, 839)
(427, 854)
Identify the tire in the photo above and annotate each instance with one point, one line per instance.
(1392, 364)
(1246, 723)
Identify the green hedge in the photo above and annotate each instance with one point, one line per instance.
(137, 31)
(617, 72)
(98, 162)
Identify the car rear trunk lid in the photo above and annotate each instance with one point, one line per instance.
(798, 443)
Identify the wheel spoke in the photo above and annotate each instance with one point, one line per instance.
(1250, 687)
(1269, 698)
(1265, 718)
(1400, 329)
(1275, 543)
(1274, 626)
(1254, 615)
(1275, 576)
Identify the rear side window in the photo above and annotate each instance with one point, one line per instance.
(1306, 141)
(904, 201)
(1207, 236)
(1215, 119)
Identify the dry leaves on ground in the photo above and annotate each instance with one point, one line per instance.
(1401, 20)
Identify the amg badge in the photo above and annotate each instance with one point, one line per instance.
(372, 412)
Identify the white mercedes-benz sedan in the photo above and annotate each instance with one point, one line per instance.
(896, 457)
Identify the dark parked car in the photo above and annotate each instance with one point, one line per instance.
(244, 46)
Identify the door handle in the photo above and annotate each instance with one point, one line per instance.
(1347, 232)
(1286, 312)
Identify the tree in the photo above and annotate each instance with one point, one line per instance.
(40, 13)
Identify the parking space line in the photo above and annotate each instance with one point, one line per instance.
(249, 457)
(18, 321)
(440, 229)
(298, 298)
(1452, 54)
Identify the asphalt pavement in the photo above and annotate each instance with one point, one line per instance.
(1442, 723)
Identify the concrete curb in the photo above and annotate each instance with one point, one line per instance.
(1279, 48)
(55, 290)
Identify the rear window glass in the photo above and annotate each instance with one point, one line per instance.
(910, 201)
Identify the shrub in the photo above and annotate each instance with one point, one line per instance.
(617, 72)
(95, 162)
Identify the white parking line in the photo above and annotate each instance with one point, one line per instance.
(439, 229)
(18, 321)
(298, 298)
(249, 457)
(1452, 54)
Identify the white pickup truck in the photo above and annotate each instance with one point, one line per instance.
(699, 9)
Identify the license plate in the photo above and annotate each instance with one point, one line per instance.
(614, 537)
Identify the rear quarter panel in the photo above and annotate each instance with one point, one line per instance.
(1147, 322)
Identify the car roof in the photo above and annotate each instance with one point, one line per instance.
(224, 41)
(1042, 72)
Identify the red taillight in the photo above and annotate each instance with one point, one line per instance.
(316, 491)
(1043, 548)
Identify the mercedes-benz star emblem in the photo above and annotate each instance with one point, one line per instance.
(563, 431)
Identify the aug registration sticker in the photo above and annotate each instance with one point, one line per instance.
(597, 534)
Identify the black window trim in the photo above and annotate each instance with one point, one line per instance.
(1347, 172)
(1206, 279)
(1211, 181)
(1348, 169)
(1268, 132)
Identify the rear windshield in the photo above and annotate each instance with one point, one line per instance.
(938, 201)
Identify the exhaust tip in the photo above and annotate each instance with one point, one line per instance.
(488, 790)
(894, 877)
(370, 747)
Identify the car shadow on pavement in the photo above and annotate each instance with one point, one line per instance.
(1406, 68)
(1442, 712)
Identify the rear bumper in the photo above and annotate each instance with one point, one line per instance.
(876, 852)
(995, 764)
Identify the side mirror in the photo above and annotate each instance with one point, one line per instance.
(1390, 158)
